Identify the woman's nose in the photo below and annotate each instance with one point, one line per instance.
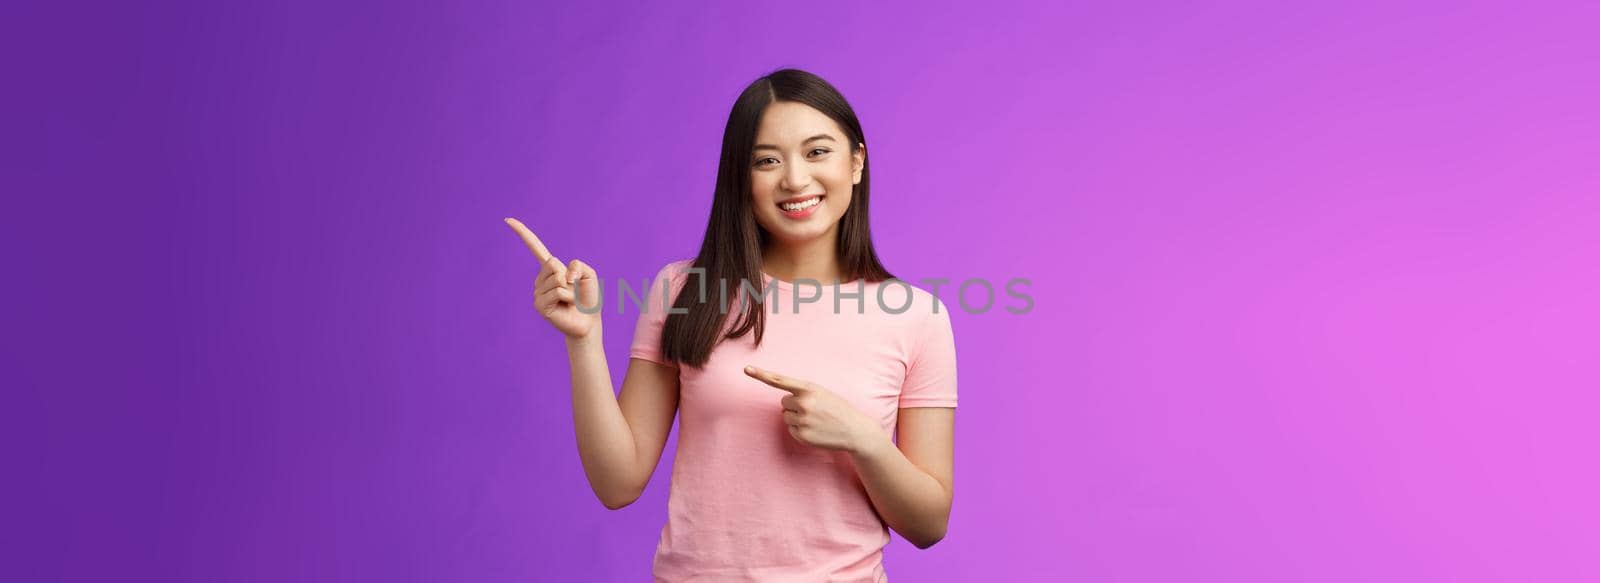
(796, 179)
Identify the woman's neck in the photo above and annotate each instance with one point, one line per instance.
(816, 260)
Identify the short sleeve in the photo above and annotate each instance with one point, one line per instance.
(653, 314)
(931, 366)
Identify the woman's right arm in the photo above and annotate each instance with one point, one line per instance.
(619, 443)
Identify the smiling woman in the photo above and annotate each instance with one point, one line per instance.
(785, 468)
(790, 138)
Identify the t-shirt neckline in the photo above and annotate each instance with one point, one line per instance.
(769, 279)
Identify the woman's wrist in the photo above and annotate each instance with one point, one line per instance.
(871, 445)
(592, 339)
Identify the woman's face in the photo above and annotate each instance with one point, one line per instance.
(802, 172)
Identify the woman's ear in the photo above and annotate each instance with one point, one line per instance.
(858, 160)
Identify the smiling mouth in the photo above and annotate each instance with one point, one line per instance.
(801, 205)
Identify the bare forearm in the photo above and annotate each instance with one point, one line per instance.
(605, 442)
(910, 500)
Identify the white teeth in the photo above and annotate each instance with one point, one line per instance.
(802, 205)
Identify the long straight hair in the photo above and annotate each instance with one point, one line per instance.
(730, 253)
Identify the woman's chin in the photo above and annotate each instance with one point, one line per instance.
(798, 234)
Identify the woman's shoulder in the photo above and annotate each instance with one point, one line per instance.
(675, 269)
(672, 275)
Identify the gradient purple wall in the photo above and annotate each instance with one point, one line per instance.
(1316, 286)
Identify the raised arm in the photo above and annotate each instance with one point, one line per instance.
(619, 443)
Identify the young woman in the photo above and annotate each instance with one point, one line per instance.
(788, 384)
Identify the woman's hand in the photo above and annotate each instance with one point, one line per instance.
(818, 417)
(559, 289)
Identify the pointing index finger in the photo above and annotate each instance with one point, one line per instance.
(530, 239)
(794, 386)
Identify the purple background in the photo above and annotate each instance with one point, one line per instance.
(1316, 286)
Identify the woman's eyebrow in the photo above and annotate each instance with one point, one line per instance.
(808, 140)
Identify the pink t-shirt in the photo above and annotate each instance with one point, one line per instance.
(748, 501)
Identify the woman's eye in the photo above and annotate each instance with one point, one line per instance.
(814, 151)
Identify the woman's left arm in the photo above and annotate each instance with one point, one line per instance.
(912, 485)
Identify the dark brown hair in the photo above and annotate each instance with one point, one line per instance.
(731, 251)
